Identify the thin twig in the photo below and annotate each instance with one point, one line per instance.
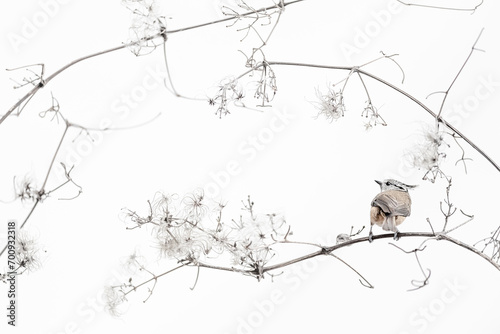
(197, 276)
(429, 221)
(24, 222)
(416, 283)
(365, 283)
(458, 74)
(121, 128)
(443, 8)
(229, 18)
(42, 188)
(154, 278)
(462, 158)
(471, 217)
(174, 91)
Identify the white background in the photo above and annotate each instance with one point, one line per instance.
(318, 174)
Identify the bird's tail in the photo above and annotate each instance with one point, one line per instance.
(390, 224)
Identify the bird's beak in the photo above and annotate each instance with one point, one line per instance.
(379, 182)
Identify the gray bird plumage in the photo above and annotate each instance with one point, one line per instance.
(391, 206)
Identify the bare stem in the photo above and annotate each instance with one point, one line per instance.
(154, 278)
(44, 82)
(24, 222)
(362, 280)
(399, 90)
(230, 18)
(174, 91)
(42, 189)
(328, 251)
(458, 74)
(443, 8)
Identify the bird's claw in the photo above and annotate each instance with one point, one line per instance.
(396, 235)
(370, 237)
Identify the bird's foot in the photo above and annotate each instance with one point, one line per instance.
(370, 237)
(396, 235)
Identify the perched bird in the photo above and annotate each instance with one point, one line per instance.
(390, 207)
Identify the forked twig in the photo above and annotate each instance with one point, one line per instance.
(418, 284)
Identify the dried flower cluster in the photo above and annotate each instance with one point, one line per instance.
(27, 252)
(26, 190)
(193, 233)
(374, 118)
(330, 105)
(229, 91)
(429, 153)
(189, 230)
(114, 300)
(266, 85)
(147, 24)
(251, 15)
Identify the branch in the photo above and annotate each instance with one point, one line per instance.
(418, 284)
(364, 282)
(261, 270)
(42, 193)
(443, 8)
(399, 90)
(154, 278)
(43, 82)
(230, 18)
(24, 222)
(330, 249)
(458, 74)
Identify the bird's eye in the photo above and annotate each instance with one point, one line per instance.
(387, 183)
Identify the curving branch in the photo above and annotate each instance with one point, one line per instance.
(121, 291)
(330, 249)
(162, 34)
(397, 89)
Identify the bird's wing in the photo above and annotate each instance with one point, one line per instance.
(385, 202)
(393, 203)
